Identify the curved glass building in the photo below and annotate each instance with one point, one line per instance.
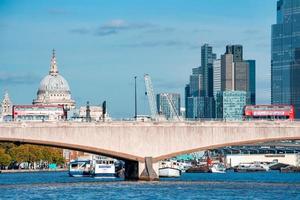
(285, 55)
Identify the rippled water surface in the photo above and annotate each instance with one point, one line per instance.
(58, 185)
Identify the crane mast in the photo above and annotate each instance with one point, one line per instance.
(172, 107)
(151, 97)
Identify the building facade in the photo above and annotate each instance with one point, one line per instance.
(230, 105)
(285, 55)
(6, 108)
(227, 72)
(163, 104)
(207, 59)
(235, 71)
(200, 108)
(199, 98)
(216, 77)
(252, 80)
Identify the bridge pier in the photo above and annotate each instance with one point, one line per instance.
(144, 171)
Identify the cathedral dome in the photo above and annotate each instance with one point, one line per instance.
(54, 89)
(54, 84)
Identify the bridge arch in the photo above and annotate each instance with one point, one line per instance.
(211, 147)
(86, 149)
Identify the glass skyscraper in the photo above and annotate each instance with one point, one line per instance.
(252, 82)
(285, 55)
(230, 105)
(199, 91)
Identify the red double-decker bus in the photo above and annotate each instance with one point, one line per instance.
(39, 113)
(269, 112)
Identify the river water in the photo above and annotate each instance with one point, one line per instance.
(58, 185)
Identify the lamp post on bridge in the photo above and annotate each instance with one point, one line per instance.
(135, 99)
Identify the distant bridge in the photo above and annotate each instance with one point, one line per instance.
(143, 144)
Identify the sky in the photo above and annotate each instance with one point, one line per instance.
(102, 44)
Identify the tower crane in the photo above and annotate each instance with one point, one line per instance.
(151, 97)
(172, 107)
(152, 101)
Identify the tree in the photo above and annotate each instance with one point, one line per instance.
(32, 154)
(5, 159)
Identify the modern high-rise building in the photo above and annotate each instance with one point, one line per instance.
(237, 84)
(231, 104)
(252, 80)
(285, 55)
(236, 51)
(235, 70)
(199, 98)
(200, 107)
(216, 76)
(227, 72)
(163, 105)
(207, 59)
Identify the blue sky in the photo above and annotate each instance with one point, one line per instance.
(102, 44)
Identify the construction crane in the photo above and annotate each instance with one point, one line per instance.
(172, 107)
(152, 102)
(151, 97)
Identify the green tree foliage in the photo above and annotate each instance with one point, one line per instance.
(5, 159)
(10, 152)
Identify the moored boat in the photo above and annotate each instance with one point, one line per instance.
(79, 168)
(198, 169)
(252, 167)
(103, 168)
(290, 169)
(169, 169)
(218, 168)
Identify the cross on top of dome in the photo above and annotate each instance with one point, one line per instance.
(53, 66)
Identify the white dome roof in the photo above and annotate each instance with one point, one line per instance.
(54, 84)
(54, 89)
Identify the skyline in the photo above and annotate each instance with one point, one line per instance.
(101, 47)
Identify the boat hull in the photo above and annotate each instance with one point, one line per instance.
(79, 173)
(105, 175)
(169, 172)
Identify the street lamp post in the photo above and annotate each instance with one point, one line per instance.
(135, 99)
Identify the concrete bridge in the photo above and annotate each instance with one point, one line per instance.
(143, 144)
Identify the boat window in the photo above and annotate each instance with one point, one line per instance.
(74, 165)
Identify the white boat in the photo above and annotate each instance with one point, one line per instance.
(218, 168)
(103, 168)
(79, 168)
(169, 169)
(252, 167)
(183, 166)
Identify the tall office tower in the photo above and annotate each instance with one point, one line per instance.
(186, 96)
(200, 102)
(241, 76)
(216, 77)
(227, 72)
(236, 51)
(252, 80)
(196, 82)
(235, 71)
(207, 58)
(285, 55)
